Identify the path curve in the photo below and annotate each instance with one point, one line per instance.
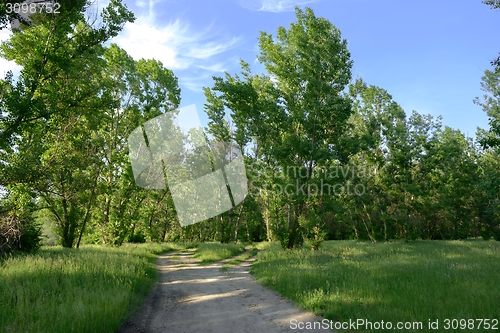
(190, 297)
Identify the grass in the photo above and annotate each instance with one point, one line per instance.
(92, 289)
(396, 281)
(211, 252)
(239, 259)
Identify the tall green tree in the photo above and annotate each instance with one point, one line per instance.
(143, 90)
(299, 104)
(489, 139)
(49, 113)
(494, 4)
(490, 103)
(57, 46)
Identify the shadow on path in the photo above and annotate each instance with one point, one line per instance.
(190, 297)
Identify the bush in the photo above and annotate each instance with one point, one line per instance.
(138, 237)
(313, 227)
(10, 233)
(18, 229)
(31, 238)
(17, 234)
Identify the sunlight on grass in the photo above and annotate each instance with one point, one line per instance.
(92, 289)
(394, 281)
(239, 259)
(211, 252)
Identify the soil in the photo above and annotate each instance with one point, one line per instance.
(190, 297)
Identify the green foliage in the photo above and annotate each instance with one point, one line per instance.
(293, 115)
(313, 229)
(69, 115)
(64, 124)
(50, 110)
(31, 239)
(5, 18)
(490, 103)
(57, 50)
(138, 237)
(492, 3)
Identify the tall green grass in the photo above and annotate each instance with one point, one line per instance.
(210, 252)
(397, 281)
(92, 289)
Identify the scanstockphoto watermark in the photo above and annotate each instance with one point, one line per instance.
(337, 172)
(321, 181)
(205, 178)
(312, 190)
(358, 324)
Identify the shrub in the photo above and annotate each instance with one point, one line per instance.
(138, 237)
(18, 229)
(19, 234)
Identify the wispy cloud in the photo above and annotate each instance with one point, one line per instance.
(201, 75)
(274, 6)
(176, 45)
(217, 68)
(195, 83)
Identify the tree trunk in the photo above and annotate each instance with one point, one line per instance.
(238, 222)
(91, 199)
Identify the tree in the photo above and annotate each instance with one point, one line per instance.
(57, 46)
(488, 198)
(143, 90)
(295, 114)
(491, 105)
(489, 201)
(494, 4)
(378, 143)
(48, 113)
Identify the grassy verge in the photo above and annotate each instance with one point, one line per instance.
(92, 289)
(210, 252)
(396, 282)
(239, 259)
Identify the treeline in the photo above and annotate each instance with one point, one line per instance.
(327, 157)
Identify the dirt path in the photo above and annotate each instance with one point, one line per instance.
(194, 298)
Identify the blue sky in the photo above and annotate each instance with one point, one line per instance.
(429, 54)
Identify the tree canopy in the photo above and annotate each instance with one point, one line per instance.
(327, 156)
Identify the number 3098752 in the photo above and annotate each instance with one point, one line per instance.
(50, 7)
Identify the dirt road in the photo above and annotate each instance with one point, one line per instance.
(194, 298)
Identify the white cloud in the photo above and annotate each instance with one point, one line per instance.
(274, 6)
(176, 45)
(6, 65)
(5, 34)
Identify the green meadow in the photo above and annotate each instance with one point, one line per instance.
(92, 289)
(396, 281)
(96, 288)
